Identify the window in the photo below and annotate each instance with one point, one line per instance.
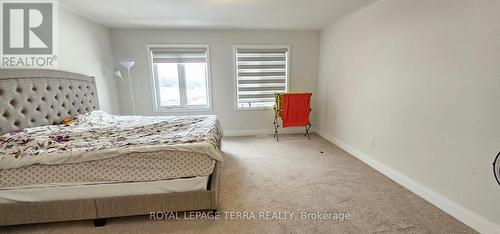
(180, 77)
(261, 71)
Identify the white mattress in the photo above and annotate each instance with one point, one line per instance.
(71, 191)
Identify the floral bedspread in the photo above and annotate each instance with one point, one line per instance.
(99, 135)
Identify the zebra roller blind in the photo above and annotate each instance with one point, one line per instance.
(260, 73)
(180, 75)
(179, 55)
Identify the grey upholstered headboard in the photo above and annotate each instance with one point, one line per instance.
(35, 97)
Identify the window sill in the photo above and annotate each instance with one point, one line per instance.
(254, 108)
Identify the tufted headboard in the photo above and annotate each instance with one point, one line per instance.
(35, 97)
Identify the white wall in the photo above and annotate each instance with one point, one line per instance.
(131, 44)
(85, 47)
(423, 78)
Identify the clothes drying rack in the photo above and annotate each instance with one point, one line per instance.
(278, 110)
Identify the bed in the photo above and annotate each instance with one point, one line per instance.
(96, 165)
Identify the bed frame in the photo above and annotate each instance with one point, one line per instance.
(35, 97)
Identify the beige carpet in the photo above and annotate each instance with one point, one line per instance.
(293, 175)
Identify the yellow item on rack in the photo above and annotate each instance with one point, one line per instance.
(279, 104)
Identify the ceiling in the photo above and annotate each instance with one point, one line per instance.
(216, 14)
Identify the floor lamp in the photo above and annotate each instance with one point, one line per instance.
(128, 65)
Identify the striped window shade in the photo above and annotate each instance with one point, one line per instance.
(261, 72)
(179, 55)
(180, 76)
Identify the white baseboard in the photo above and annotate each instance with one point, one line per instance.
(270, 131)
(470, 218)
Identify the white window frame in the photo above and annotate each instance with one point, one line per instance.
(155, 83)
(235, 71)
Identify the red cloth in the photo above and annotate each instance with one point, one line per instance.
(296, 109)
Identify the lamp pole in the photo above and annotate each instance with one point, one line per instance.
(131, 90)
(128, 65)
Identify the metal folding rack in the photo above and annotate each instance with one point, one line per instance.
(278, 108)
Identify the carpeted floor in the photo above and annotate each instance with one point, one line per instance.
(293, 175)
